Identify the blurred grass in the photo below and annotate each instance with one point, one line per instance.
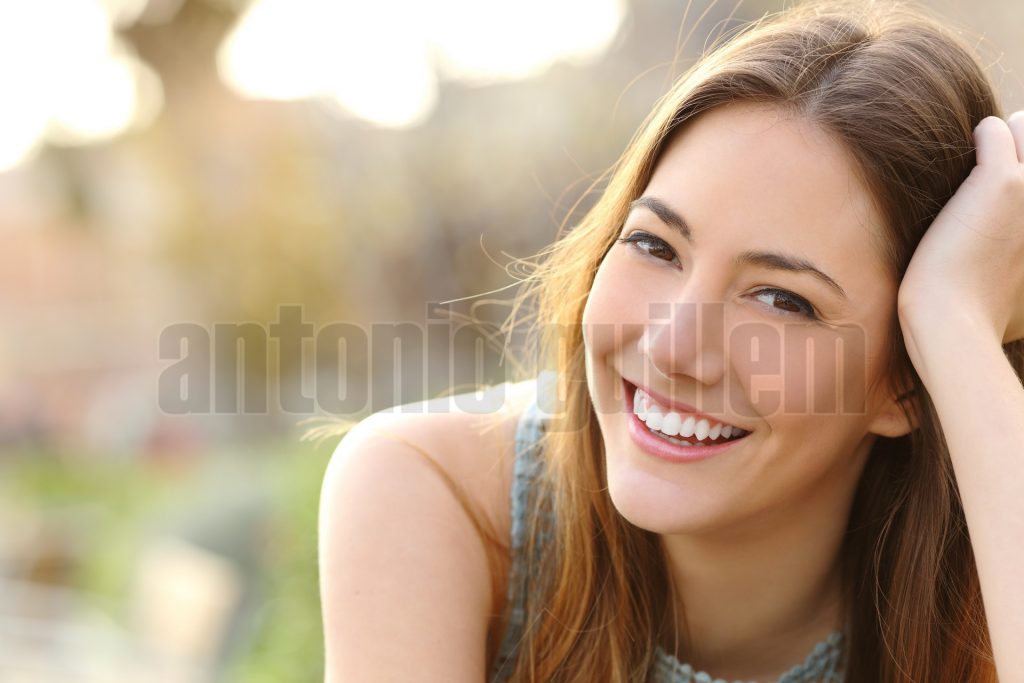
(102, 512)
(288, 638)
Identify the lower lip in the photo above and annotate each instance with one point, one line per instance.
(660, 448)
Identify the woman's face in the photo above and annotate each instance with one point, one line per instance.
(750, 291)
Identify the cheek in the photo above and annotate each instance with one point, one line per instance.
(613, 305)
(799, 370)
(610, 324)
(606, 300)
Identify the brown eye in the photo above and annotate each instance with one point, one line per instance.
(787, 302)
(650, 244)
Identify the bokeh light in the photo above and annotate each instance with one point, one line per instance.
(383, 61)
(66, 79)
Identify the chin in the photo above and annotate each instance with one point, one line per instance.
(664, 506)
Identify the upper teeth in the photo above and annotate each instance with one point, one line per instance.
(671, 423)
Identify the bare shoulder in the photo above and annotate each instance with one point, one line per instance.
(472, 438)
(401, 565)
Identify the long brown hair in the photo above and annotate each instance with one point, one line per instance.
(903, 94)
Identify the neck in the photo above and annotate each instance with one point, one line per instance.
(753, 600)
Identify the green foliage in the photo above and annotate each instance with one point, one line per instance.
(288, 637)
(107, 510)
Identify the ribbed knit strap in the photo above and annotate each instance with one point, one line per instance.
(822, 665)
(525, 470)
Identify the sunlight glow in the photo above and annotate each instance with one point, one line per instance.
(66, 78)
(486, 41)
(382, 60)
(296, 49)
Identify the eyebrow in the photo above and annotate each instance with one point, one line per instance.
(667, 215)
(765, 259)
(794, 264)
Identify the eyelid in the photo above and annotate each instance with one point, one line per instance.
(637, 233)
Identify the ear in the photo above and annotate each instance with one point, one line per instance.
(897, 416)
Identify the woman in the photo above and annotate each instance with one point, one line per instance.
(789, 435)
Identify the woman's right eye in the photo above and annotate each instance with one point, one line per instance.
(649, 244)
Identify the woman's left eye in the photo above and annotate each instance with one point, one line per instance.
(649, 244)
(788, 302)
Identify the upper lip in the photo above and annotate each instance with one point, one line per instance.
(678, 406)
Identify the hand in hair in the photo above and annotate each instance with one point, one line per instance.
(968, 269)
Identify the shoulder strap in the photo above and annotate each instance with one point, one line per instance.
(525, 471)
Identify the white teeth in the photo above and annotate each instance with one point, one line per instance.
(671, 423)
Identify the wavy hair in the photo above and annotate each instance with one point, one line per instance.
(902, 93)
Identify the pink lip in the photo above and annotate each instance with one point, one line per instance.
(663, 449)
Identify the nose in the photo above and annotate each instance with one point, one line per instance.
(685, 339)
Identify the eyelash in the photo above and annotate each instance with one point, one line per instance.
(806, 309)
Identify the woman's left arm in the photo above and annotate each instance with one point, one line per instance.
(960, 300)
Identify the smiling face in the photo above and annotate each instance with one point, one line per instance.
(746, 285)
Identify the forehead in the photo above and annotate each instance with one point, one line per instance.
(759, 176)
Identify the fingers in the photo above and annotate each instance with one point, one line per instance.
(996, 143)
(1016, 124)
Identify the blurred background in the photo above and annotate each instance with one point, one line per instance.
(220, 218)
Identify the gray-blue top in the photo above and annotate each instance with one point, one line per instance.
(822, 665)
